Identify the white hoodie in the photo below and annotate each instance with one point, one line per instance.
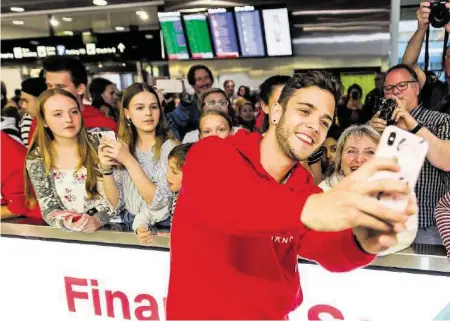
(9, 124)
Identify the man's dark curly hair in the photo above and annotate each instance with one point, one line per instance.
(321, 79)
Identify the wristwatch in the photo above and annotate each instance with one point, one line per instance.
(417, 128)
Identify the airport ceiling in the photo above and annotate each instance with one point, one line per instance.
(310, 16)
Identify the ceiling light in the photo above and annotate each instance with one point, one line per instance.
(124, 65)
(142, 14)
(119, 28)
(68, 33)
(339, 12)
(86, 33)
(100, 2)
(343, 39)
(17, 9)
(17, 22)
(54, 22)
(100, 65)
(67, 19)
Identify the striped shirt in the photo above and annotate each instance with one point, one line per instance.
(433, 183)
(442, 215)
(129, 196)
(25, 125)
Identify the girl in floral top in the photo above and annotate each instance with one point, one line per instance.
(62, 166)
(139, 184)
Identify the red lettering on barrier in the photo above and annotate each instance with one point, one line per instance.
(110, 296)
(71, 295)
(148, 304)
(152, 307)
(96, 298)
(313, 313)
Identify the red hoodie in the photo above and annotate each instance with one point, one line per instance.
(12, 166)
(233, 258)
(92, 118)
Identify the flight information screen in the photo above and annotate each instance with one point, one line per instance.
(223, 33)
(198, 36)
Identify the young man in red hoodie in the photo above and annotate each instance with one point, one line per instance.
(232, 258)
(69, 73)
(12, 182)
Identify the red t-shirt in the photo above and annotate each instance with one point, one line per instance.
(12, 168)
(92, 118)
(234, 258)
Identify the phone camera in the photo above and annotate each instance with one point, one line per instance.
(391, 139)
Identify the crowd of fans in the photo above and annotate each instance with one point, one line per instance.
(80, 177)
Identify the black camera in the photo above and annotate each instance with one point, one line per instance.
(355, 95)
(439, 15)
(386, 108)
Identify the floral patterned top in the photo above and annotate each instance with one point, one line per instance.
(64, 190)
(70, 187)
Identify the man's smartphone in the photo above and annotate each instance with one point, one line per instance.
(170, 86)
(410, 152)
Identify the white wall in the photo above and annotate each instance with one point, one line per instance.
(12, 77)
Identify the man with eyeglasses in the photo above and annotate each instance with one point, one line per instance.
(402, 85)
(185, 117)
(435, 94)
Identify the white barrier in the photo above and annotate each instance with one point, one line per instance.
(43, 280)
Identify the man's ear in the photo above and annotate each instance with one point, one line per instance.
(265, 107)
(81, 89)
(275, 114)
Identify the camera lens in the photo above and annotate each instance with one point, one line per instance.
(439, 15)
(391, 139)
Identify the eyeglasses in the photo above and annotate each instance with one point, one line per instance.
(214, 103)
(401, 86)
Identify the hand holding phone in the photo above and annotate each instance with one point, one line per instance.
(410, 152)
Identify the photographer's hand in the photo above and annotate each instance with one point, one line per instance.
(447, 26)
(402, 117)
(377, 123)
(423, 14)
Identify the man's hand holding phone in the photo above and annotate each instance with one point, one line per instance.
(353, 204)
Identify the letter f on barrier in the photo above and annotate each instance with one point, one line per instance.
(71, 294)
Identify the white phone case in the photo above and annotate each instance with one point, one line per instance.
(410, 151)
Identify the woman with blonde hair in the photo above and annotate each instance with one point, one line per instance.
(356, 146)
(62, 166)
(140, 154)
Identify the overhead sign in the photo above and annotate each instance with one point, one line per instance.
(94, 283)
(124, 46)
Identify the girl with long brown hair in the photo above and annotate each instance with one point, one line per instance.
(62, 166)
(139, 184)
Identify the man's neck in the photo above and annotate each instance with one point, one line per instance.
(80, 101)
(273, 159)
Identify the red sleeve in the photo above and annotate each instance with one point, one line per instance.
(335, 251)
(12, 180)
(221, 189)
(100, 121)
